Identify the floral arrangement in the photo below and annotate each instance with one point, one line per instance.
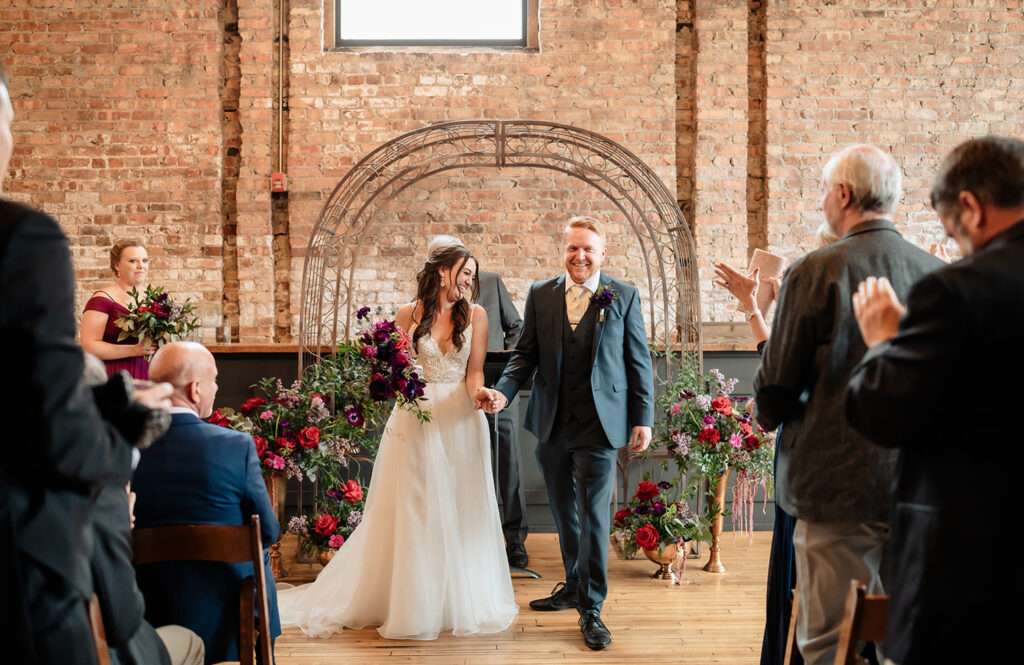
(332, 415)
(708, 431)
(154, 317)
(334, 520)
(655, 519)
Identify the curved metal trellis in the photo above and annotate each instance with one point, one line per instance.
(665, 241)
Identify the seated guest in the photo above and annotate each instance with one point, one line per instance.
(130, 265)
(131, 639)
(200, 473)
(939, 384)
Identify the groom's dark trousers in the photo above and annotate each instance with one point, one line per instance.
(592, 386)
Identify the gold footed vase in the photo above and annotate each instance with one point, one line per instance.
(717, 499)
(663, 558)
(325, 557)
(276, 487)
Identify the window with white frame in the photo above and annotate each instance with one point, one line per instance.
(488, 23)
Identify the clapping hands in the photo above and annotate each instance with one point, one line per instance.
(489, 400)
(878, 310)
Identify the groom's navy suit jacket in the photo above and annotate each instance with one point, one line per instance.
(621, 380)
(200, 473)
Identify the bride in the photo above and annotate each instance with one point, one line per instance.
(429, 555)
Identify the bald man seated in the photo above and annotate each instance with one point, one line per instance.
(200, 473)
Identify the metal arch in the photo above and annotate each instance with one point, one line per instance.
(666, 243)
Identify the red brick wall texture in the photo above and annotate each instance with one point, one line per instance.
(157, 120)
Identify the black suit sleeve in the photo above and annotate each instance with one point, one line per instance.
(511, 323)
(639, 371)
(70, 443)
(113, 575)
(256, 498)
(526, 355)
(904, 389)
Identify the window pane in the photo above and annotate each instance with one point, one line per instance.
(430, 20)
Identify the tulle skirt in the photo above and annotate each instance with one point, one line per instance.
(429, 554)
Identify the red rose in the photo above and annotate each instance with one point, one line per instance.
(647, 537)
(143, 309)
(284, 442)
(261, 445)
(326, 525)
(352, 492)
(751, 443)
(252, 404)
(309, 437)
(709, 435)
(218, 418)
(647, 490)
(620, 517)
(723, 405)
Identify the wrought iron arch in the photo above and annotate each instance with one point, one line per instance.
(666, 243)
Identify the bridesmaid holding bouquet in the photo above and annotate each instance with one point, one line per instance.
(130, 263)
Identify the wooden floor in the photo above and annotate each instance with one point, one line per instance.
(710, 619)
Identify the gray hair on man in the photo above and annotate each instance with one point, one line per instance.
(873, 176)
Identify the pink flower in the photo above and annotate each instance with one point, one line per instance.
(272, 461)
(336, 541)
(266, 415)
(736, 441)
(676, 408)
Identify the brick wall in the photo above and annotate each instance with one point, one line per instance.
(157, 120)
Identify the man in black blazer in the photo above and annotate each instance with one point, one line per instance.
(829, 476)
(940, 384)
(59, 450)
(585, 343)
(503, 330)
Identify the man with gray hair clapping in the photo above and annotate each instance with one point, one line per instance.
(829, 476)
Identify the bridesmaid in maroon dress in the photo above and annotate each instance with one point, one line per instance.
(130, 263)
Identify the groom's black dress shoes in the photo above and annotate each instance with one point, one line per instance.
(559, 599)
(595, 634)
(517, 557)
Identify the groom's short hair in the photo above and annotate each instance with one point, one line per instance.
(585, 222)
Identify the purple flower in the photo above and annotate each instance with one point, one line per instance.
(354, 415)
(643, 509)
(704, 402)
(381, 337)
(665, 485)
(658, 508)
(384, 326)
(687, 394)
(354, 518)
(709, 420)
(369, 351)
(604, 297)
(363, 313)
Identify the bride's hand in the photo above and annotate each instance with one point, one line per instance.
(483, 397)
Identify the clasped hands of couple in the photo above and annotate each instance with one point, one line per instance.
(492, 401)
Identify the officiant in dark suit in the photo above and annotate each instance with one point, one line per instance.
(503, 330)
(585, 344)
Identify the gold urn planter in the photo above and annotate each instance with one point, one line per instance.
(663, 556)
(325, 557)
(276, 486)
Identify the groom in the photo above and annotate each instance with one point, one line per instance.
(593, 391)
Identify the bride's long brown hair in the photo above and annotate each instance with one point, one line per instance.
(429, 292)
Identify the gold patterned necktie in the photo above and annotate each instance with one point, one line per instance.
(576, 304)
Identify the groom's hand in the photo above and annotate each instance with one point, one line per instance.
(497, 402)
(640, 439)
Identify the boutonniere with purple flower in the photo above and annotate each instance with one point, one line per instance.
(603, 299)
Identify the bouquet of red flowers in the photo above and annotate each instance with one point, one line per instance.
(655, 518)
(333, 521)
(155, 317)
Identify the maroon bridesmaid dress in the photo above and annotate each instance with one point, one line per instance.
(136, 366)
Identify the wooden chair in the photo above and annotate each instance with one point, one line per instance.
(791, 633)
(864, 620)
(99, 634)
(227, 544)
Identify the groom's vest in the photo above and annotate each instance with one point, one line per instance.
(575, 398)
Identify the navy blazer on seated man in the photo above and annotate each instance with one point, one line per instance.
(200, 473)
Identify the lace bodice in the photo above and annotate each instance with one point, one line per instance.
(439, 367)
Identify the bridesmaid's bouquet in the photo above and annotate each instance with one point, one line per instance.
(154, 317)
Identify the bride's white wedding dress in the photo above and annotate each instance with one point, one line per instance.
(429, 555)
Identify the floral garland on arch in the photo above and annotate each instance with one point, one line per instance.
(707, 431)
